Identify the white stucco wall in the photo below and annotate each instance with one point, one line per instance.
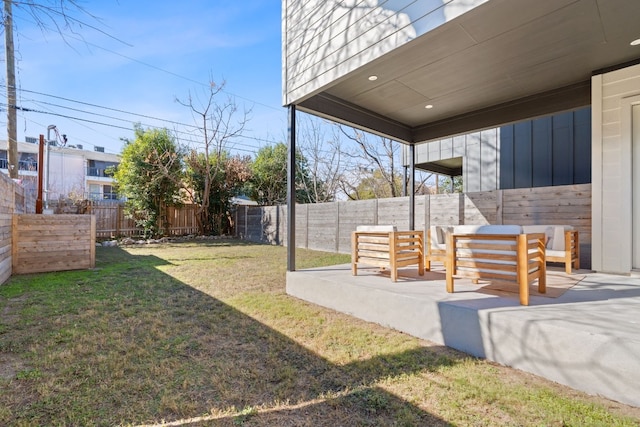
(613, 93)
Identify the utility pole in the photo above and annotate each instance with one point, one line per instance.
(12, 121)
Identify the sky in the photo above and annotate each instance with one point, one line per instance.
(141, 55)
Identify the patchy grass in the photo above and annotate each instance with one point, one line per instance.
(203, 334)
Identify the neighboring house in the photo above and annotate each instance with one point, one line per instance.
(73, 172)
(419, 71)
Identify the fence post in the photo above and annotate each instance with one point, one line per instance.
(118, 219)
(337, 245)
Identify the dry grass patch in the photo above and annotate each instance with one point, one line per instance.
(203, 334)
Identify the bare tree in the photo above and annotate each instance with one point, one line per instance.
(218, 124)
(325, 158)
(374, 161)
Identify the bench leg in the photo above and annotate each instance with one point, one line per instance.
(522, 269)
(524, 291)
(542, 278)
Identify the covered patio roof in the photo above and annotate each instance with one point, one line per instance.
(503, 61)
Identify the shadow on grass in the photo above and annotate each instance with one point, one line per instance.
(126, 344)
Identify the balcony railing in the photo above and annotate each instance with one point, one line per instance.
(23, 165)
(102, 196)
(103, 173)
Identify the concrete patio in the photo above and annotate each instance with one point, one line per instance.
(585, 333)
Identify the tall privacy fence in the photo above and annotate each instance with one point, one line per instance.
(328, 226)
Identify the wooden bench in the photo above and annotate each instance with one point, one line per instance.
(512, 257)
(386, 248)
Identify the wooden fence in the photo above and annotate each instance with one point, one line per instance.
(43, 243)
(14, 199)
(112, 222)
(328, 226)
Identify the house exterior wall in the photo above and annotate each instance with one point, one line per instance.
(480, 152)
(68, 170)
(613, 94)
(324, 40)
(546, 151)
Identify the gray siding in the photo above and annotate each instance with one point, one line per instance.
(480, 152)
(548, 151)
(324, 40)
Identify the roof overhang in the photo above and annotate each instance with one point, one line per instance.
(503, 61)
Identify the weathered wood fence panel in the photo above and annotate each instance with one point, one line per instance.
(273, 224)
(302, 231)
(323, 226)
(182, 220)
(6, 215)
(444, 209)
(111, 221)
(328, 226)
(394, 211)
(43, 243)
(350, 215)
(480, 208)
(13, 199)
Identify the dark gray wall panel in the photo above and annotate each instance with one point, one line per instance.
(522, 155)
(507, 153)
(548, 151)
(563, 149)
(582, 147)
(542, 175)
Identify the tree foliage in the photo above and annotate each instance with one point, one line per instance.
(268, 184)
(374, 185)
(224, 177)
(150, 176)
(447, 184)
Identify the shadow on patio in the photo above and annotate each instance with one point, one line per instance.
(585, 336)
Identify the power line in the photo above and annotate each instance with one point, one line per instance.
(31, 110)
(194, 127)
(101, 106)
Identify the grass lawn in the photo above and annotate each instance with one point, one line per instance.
(202, 333)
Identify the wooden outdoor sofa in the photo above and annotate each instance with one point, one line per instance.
(496, 252)
(562, 243)
(385, 247)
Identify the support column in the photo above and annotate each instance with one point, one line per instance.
(291, 190)
(412, 187)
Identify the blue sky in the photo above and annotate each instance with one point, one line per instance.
(160, 50)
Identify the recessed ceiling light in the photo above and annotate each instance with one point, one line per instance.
(428, 106)
(636, 42)
(373, 78)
